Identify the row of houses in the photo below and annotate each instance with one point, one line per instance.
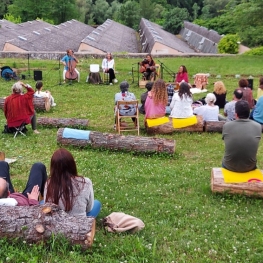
(40, 36)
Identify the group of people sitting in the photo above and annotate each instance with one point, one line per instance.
(64, 187)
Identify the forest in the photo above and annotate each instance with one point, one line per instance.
(241, 17)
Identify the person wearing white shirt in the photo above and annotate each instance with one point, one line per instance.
(108, 67)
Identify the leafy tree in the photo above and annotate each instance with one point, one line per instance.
(129, 14)
(195, 10)
(215, 7)
(159, 11)
(3, 7)
(114, 8)
(11, 18)
(147, 9)
(229, 44)
(100, 10)
(173, 19)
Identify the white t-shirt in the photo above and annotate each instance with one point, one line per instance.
(209, 113)
(41, 94)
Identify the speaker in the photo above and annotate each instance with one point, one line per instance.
(37, 75)
(250, 83)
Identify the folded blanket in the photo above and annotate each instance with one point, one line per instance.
(157, 121)
(234, 177)
(184, 122)
(75, 134)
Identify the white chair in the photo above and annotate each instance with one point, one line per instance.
(94, 75)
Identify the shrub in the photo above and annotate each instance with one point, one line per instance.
(229, 44)
(258, 51)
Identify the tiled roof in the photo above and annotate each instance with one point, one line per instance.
(113, 37)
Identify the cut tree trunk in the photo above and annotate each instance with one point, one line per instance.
(62, 122)
(120, 142)
(39, 103)
(39, 223)
(218, 185)
(214, 126)
(168, 128)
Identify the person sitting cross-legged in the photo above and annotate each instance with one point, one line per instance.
(35, 185)
(148, 86)
(241, 138)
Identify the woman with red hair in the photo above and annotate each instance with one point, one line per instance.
(65, 188)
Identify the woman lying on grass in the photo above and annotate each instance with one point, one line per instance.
(68, 190)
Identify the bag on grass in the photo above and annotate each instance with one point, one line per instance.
(121, 222)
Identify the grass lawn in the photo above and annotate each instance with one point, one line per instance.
(184, 221)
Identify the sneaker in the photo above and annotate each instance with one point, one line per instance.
(115, 81)
(36, 131)
(54, 104)
(110, 83)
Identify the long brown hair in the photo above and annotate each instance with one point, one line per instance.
(184, 90)
(159, 92)
(63, 174)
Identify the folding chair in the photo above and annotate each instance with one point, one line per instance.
(106, 76)
(129, 124)
(19, 129)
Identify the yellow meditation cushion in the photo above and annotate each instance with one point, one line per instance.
(184, 122)
(234, 177)
(157, 121)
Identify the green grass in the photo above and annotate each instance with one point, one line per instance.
(184, 221)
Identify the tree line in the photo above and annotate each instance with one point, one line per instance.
(242, 17)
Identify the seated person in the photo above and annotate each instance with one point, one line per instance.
(247, 92)
(260, 88)
(170, 93)
(229, 109)
(148, 68)
(44, 94)
(241, 138)
(71, 192)
(148, 86)
(220, 93)
(210, 111)
(19, 108)
(156, 101)
(181, 105)
(108, 66)
(35, 185)
(125, 95)
(181, 76)
(257, 112)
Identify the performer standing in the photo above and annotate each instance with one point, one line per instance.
(148, 68)
(108, 66)
(69, 62)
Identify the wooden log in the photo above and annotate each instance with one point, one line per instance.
(39, 103)
(214, 126)
(39, 223)
(120, 142)
(218, 185)
(62, 122)
(168, 128)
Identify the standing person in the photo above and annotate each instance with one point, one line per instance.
(108, 66)
(19, 108)
(181, 105)
(125, 95)
(241, 138)
(44, 94)
(70, 191)
(220, 93)
(181, 76)
(68, 61)
(229, 109)
(148, 86)
(247, 92)
(156, 100)
(148, 68)
(35, 185)
(210, 111)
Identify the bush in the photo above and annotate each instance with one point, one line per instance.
(258, 51)
(229, 44)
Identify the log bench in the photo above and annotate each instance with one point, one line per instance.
(39, 223)
(214, 126)
(120, 142)
(62, 122)
(249, 188)
(168, 128)
(39, 104)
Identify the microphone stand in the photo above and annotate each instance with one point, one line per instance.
(138, 75)
(28, 66)
(167, 70)
(60, 83)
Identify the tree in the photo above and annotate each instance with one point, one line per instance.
(173, 20)
(100, 11)
(129, 14)
(3, 7)
(147, 9)
(11, 18)
(195, 10)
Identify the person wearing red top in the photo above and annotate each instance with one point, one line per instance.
(181, 75)
(19, 108)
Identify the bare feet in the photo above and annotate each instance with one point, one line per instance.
(36, 131)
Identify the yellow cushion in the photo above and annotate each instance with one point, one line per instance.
(157, 121)
(234, 177)
(184, 122)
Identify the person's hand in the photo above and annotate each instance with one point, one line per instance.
(34, 193)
